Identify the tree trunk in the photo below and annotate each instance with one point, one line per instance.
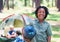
(1, 5)
(33, 1)
(7, 3)
(52, 3)
(58, 4)
(25, 1)
(47, 2)
(37, 3)
(12, 4)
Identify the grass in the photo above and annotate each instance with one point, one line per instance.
(56, 28)
(52, 17)
(53, 41)
(0, 21)
(56, 36)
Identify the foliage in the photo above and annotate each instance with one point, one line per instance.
(56, 36)
(56, 28)
(53, 17)
(0, 21)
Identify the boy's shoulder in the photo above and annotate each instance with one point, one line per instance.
(46, 23)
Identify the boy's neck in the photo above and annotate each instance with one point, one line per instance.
(41, 21)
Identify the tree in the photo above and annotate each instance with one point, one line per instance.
(33, 1)
(12, 4)
(53, 3)
(1, 5)
(58, 4)
(25, 1)
(37, 3)
(7, 4)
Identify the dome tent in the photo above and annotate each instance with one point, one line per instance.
(16, 20)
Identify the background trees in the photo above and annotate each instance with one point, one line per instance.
(1, 5)
(58, 4)
(29, 3)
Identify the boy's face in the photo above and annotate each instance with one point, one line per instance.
(11, 28)
(41, 14)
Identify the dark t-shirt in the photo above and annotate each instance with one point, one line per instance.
(10, 32)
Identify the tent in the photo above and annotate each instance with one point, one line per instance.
(17, 20)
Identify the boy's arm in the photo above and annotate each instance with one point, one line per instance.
(49, 38)
(8, 35)
(13, 34)
(49, 33)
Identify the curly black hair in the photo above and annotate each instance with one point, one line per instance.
(46, 11)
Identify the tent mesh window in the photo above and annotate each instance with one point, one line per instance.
(18, 23)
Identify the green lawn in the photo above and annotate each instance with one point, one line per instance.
(52, 17)
(55, 34)
(0, 21)
(56, 29)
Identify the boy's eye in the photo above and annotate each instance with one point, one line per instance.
(41, 12)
